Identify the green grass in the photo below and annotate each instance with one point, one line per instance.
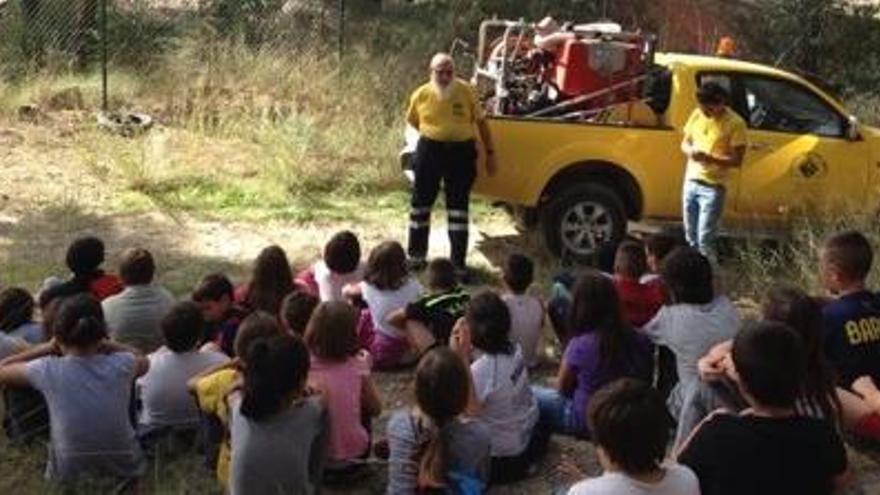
(756, 265)
(176, 474)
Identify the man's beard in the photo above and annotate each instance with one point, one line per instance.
(442, 92)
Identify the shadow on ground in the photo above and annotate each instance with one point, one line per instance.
(33, 246)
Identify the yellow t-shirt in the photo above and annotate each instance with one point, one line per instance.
(716, 137)
(211, 392)
(446, 120)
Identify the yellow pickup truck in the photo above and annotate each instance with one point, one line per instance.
(581, 182)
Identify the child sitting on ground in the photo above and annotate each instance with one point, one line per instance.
(657, 248)
(433, 446)
(17, 316)
(429, 321)
(25, 414)
(277, 430)
(501, 396)
(526, 310)
(768, 448)
(630, 427)
(339, 367)
(134, 315)
(851, 343)
(87, 382)
(340, 266)
(215, 297)
(818, 399)
(271, 281)
(296, 311)
(213, 385)
(603, 348)
(640, 302)
(695, 320)
(84, 259)
(387, 287)
(167, 403)
(16, 311)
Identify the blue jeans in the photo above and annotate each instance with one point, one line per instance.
(703, 206)
(557, 412)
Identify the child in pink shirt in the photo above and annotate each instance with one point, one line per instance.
(343, 372)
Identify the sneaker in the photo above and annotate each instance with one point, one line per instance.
(416, 264)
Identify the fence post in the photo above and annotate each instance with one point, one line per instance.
(104, 88)
(340, 47)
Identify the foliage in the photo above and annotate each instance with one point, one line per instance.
(836, 41)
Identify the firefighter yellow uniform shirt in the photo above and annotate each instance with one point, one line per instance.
(446, 120)
(716, 137)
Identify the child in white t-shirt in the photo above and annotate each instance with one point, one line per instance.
(501, 395)
(387, 287)
(340, 266)
(526, 310)
(630, 428)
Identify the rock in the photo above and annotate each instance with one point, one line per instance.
(66, 99)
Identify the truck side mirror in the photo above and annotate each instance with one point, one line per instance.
(852, 128)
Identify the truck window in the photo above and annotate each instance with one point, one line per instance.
(782, 106)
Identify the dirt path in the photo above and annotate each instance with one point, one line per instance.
(50, 195)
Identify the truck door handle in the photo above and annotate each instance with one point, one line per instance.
(761, 147)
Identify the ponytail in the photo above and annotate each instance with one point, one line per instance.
(434, 459)
(441, 393)
(258, 400)
(80, 322)
(274, 367)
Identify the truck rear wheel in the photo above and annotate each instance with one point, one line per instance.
(582, 220)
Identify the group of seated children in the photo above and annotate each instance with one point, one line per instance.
(272, 379)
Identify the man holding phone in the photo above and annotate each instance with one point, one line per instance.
(714, 142)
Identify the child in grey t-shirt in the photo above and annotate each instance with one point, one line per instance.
(88, 390)
(278, 433)
(441, 383)
(694, 322)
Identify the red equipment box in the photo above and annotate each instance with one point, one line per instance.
(585, 66)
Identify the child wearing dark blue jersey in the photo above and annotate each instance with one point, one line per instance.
(852, 320)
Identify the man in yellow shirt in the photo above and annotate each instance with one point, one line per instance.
(714, 142)
(448, 116)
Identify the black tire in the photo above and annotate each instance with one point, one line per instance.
(564, 217)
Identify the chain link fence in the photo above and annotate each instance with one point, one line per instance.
(126, 34)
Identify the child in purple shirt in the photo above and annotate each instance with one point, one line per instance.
(603, 348)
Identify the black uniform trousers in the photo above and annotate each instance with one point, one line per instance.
(452, 165)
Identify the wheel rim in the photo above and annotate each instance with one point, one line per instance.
(585, 226)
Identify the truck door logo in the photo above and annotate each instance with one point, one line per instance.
(809, 166)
